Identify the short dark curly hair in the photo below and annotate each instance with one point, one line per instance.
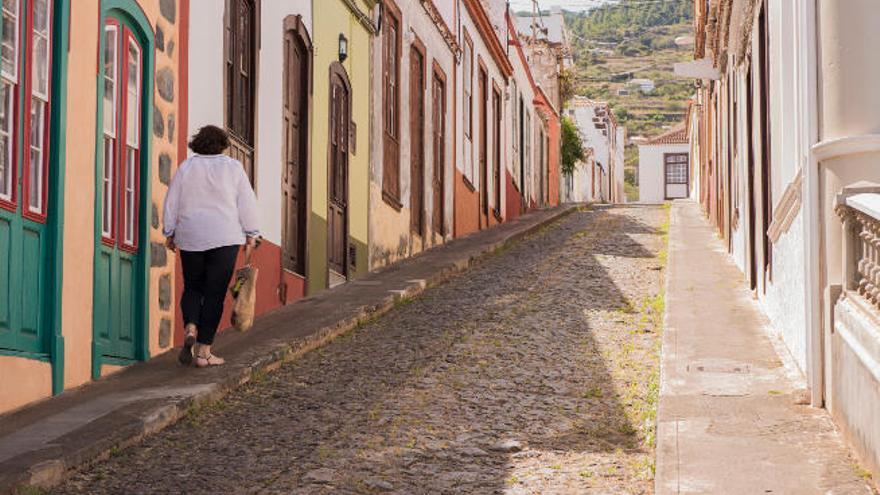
(210, 140)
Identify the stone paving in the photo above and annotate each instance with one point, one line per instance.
(535, 372)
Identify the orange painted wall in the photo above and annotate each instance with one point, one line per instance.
(79, 194)
(467, 207)
(554, 132)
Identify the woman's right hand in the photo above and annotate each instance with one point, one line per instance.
(169, 244)
(250, 245)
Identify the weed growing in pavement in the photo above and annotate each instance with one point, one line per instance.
(324, 452)
(862, 472)
(30, 490)
(593, 393)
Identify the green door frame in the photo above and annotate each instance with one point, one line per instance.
(55, 223)
(129, 13)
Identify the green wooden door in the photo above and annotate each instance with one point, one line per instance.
(26, 225)
(120, 268)
(24, 249)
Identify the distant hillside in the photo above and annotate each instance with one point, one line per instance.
(636, 40)
(616, 22)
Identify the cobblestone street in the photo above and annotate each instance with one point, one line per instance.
(535, 372)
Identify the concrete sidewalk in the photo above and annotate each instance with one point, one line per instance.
(728, 420)
(41, 444)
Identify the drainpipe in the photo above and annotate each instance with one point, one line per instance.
(809, 135)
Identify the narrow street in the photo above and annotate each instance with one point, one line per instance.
(536, 372)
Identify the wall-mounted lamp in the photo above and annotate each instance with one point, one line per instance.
(343, 48)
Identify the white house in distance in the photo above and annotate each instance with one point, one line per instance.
(600, 177)
(664, 167)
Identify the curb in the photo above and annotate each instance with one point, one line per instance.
(47, 473)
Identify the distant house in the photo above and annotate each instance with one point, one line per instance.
(664, 167)
(643, 85)
(622, 92)
(600, 177)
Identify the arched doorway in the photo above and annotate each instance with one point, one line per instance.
(120, 318)
(296, 110)
(337, 205)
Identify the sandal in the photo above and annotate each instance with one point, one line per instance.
(189, 339)
(208, 360)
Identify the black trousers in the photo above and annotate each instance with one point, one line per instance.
(206, 276)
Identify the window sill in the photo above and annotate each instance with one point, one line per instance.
(392, 201)
(294, 273)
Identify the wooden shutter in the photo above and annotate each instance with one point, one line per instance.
(391, 108)
(417, 140)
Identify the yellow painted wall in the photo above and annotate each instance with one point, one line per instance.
(330, 19)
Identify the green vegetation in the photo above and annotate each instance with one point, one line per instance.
(634, 39)
(626, 21)
(572, 147)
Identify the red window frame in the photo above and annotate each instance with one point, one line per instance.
(11, 204)
(19, 140)
(119, 207)
(41, 215)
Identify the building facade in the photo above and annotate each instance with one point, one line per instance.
(65, 320)
(468, 137)
(411, 177)
(483, 72)
(784, 145)
(600, 177)
(664, 167)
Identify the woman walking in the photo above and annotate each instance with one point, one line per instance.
(210, 212)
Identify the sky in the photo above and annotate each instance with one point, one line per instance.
(518, 5)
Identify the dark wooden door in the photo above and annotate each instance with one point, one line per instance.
(750, 190)
(293, 186)
(417, 140)
(496, 150)
(484, 149)
(337, 218)
(438, 112)
(766, 193)
(391, 107)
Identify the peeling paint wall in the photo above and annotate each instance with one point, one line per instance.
(391, 236)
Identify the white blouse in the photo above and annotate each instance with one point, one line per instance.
(210, 204)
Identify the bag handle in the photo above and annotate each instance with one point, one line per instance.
(249, 250)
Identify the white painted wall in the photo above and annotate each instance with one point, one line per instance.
(524, 90)
(619, 162)
(205, 65)
(206, 92)
(651, 175)
(468, 163)
(785, 292)
(582, 112)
